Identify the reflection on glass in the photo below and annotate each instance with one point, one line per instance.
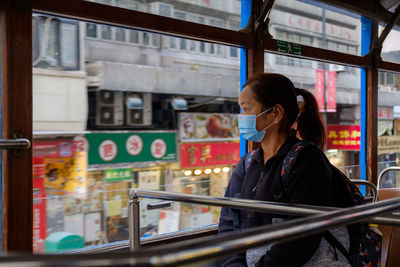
(315, 26)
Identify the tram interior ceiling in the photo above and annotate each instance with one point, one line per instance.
(103, 97)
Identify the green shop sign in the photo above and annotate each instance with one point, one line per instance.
(289, 48)
(112, 175)
(106, 148)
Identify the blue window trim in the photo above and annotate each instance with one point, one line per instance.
(365, 45)
(244, 18)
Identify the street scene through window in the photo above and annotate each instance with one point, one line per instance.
(116, 108)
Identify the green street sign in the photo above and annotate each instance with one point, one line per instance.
(110, 148)
(112, 175)
(289, 48)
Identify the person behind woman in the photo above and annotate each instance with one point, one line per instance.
(269, 109)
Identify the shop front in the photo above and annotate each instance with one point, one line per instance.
(121, 161)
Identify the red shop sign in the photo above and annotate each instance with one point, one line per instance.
(209, 154)
(344, 137)
(53, 148)
(39, 206)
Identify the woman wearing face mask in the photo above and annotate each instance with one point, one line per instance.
(269, 109)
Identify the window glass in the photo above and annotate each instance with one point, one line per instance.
(55, 43)
(337, 91)
(119, 34)
(121, 124)
(390, 47)
(134, 36)
(69, 45)
(91, 30)
(106, 32)
(388, 127)
(316, 25)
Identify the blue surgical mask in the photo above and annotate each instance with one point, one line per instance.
(247, 127)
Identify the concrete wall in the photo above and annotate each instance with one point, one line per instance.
(59, 100)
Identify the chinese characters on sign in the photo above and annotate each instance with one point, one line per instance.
(331, 92)
(320, 89)
(158, 148)
(108, 150)
(344, 137)
(209, 154)
(134, 145)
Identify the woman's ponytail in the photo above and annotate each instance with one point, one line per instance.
(310, 126)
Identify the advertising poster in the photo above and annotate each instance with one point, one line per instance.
(92, 226)
(149, 180)
(39, 206)
(66, 175)
(195, 127)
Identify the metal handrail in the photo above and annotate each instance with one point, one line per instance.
(211, 247)
(369, 184)
(262, 206)
(395, 168)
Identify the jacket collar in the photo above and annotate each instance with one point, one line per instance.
(283, 150)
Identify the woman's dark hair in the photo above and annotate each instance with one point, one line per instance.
(271, 89)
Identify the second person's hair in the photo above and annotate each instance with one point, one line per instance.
(271, 89)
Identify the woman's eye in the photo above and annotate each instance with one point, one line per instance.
(244, 109)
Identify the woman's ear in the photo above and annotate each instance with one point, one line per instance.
(278, 113)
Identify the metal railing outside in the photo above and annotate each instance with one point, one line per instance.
(395, 168)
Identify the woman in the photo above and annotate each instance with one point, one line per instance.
(269, 109)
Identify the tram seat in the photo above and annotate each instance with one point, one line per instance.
(391, 234)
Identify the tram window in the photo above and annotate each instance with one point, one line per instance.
(315, 22)
(390, 47)
(91, 30)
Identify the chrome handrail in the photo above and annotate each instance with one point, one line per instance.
(395, 168)
(369, 184)
(212, 247)
(262, 206)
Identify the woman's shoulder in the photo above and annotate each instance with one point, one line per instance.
(307, 151)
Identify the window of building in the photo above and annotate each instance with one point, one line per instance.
(234, 51)
(120, 34)
(105, 32)
(134, 36)
(91, 30)
(55, 42)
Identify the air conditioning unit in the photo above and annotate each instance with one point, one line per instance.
(138, 109)
(334, 67)
(109, 108)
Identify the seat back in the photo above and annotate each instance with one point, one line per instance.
(391, 234)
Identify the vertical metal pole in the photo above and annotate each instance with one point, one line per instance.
(134, 224)
(245, 16)
(365, 46)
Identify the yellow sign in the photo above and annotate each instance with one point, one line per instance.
(388, 144)
(114, 207)
(66, 175)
